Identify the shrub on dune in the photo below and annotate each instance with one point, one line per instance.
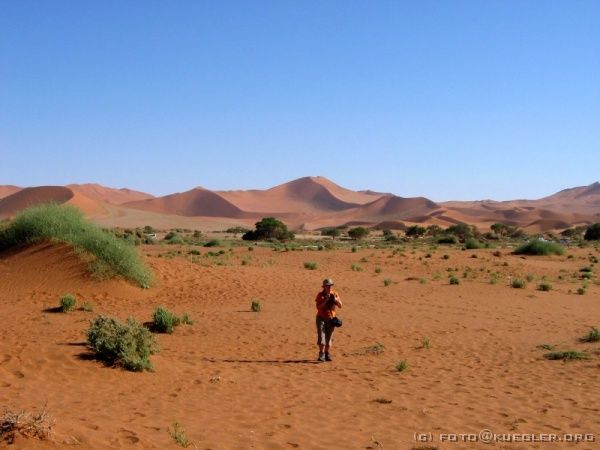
(52, 222)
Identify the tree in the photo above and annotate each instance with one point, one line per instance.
(592, 233)
(358, 233)
(434, 230)
(389, 235)
(415, 231)
(461, 231)
(269, 228)
(331, 231)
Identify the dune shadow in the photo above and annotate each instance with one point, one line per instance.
(264, 361)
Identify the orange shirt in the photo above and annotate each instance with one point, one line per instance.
(324, 310)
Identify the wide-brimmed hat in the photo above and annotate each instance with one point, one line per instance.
(327, 282)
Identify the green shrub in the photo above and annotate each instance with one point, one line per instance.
(129, 345)
(592, 233)
(178, 435)
(401, 366)
(51, 222)
(472, 244)
(447, 240)
(256, 305)
(311, 265)
(454, 280)
(592, 336)
(581, 291)
(67, 303)
(213, 243)
(566, 355)
(163, 320)
(539, 247)
(186, 319)
(387, 282)
(377, 269)
(544, 286)
(517, 283)
(356, 268)
(358, 233)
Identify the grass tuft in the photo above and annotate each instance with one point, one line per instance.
(401, 366)
(51, 222)
(311, 265)
(539, 247)
(566, 355)
(164, 321)
(517, 283)
(178, 435)
(37, 425)
(67, 303)
(256, 305)
(592, 336)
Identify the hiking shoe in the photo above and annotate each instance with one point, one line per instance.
(321, 357)
(328, 357)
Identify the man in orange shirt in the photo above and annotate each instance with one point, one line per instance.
(327, 301)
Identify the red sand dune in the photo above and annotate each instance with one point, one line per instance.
(7, 190)
(196, 202)
(109, 195)
(33, 196)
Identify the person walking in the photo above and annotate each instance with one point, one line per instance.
(328, 300)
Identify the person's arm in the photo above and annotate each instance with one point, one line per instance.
(321, 301)
(337, 301)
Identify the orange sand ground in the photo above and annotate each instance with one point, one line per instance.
(241, 380)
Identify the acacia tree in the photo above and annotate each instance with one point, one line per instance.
(269, 228)
(358, 233)
(592, 233)
(331, 231)
(415, 231)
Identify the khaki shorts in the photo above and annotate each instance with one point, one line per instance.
(324, 331)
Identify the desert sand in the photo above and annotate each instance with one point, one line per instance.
(239, 380)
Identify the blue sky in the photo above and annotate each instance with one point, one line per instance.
(445, 99)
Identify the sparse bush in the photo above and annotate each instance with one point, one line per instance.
(472, 244)
(178, 435)
(592, 336)
(37, 425)
(333, 232)
(517, 283)
(447, 240)
(51, 222)
(163, 320)
(544, 286)
(401, 366)
(311, 265)
(423, 280)
(356, 268)
(256, 305)
(415, 231)
(425, 343)
(387, 282)
(581, 291)
(129, 345)
(377, 269)
(87, 306)
(446, 257)
(213, 243)
(566, 355)
(354, 249)
(454, 280)
(539, 247)
(529, 278)
(186, 319)
(67, 303)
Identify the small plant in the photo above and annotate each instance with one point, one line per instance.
(446, 256)
(592, 336)
(581, 291)
(383, 401)
(256, 305)
(311, 265)
(163, 320)
(186, 319)
(425, 342)
(423, 280)
(377, 269)
(454, 280)
(546, 346)
(402, 366)
(529, 278)
(67, 303)
(566, 355)
(87, 306)
(544, 286)
(178, 435)
(356, 268)
(387, 282)
(354, 249)
(363, 260)
(129, 345)
(28, 424)
(517, 283)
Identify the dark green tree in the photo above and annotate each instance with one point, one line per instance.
(358, 233)
(269, 228)
(415, 231)
(592, 233)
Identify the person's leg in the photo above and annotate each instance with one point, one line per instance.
(328, 340)
(321, 338)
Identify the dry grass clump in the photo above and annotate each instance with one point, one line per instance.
(28, 424)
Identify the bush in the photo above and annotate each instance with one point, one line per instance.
(129, 345)
(544, 286)
(539, 247)
(174, 238)
(402, 366)
(67, 303)
(213, 243)
(387, 282)
(447, 240)
(592, 233)
(163, 320)
(331, 231)
(454, 280)
(358, 233)
(566, 355)
(472, 244)
(415, 231)
(51, 222)
(517, 283)
(311, 265)
(356, 268)
(269, 228)
(256, 305)
(592, 336)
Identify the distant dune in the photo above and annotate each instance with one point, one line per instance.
(307, 203)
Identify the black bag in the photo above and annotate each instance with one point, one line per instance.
(336, 322)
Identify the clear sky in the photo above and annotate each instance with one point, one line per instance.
(444, 99)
